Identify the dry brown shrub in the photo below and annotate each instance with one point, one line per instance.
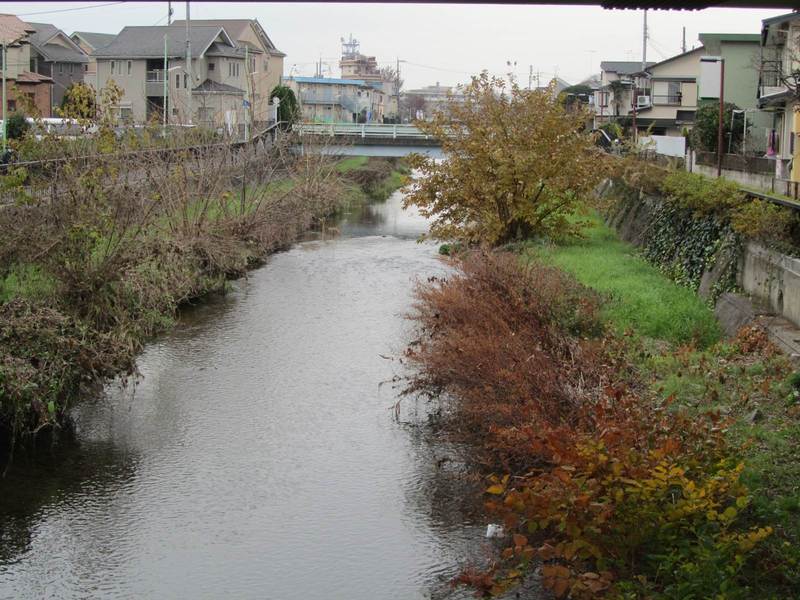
(507, 342)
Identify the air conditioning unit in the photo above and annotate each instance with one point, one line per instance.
(642, 101)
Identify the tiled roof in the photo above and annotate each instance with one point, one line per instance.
(28, 77)
(13, 29)
(43, 33)
(216, 49)
(211, 87)
(624, 67)
(96, 40)
(148, 42)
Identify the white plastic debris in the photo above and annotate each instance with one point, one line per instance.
(493, 530)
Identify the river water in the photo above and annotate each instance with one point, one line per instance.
(258, 456)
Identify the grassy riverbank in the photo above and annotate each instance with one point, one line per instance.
(652, 460)
(85, 281)
(638, 296)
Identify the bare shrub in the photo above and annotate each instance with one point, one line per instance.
(504, 339)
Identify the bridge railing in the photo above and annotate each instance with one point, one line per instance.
(363, 130)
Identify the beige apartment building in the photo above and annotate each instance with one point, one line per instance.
(357, 66)
(265, 60)
(228, 78)
(328, 100)
(89, 42)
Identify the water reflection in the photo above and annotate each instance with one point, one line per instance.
(257, 456)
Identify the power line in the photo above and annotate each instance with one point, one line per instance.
(63, 10)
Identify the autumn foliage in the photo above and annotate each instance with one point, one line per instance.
(614, 495)
(517, 165)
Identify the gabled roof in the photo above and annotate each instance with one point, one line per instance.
(217, 49)
(793, 16)
(676, 57)
(28, 77)
(214, 87)
(13, 29)
(42, 39)
(236, 28)
(95, 40)
(148, 42)
(623, 67)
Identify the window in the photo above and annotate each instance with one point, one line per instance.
(674, 92)
(177, 81)
(112, 67)
(174, 112)
(60, 68)
(130, 66)
(70, 68)
(185, 81)
(86, 68)
(210, 66)
(266, 65)
(12, 105)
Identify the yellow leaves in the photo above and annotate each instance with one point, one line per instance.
(496, 489)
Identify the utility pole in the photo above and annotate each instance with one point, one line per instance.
(247, 98)
(165, 76)
(721, 114)
(397, 87)
(530, 76)
(683, 41)
(169, 13)
(644, 41)
(5, 103)
(188, 64)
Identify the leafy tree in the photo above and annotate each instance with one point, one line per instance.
(17, 126)
(706, 122)
(78, 102)
(517, 165)
(288, 110)
(573, 94)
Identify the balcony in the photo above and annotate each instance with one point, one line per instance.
(667, 100)
(346, 101)
(770, 81)
(154, 83)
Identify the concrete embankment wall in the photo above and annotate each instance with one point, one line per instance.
(769, 280)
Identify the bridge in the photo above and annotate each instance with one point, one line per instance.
(371, 139)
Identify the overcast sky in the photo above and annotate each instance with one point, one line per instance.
(441, 43)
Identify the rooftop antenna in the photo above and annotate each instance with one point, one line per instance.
(683, 41)
(350, 48)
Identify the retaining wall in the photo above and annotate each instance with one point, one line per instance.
(770, 279)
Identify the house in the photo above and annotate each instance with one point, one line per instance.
(357, 66)
(778, 91)
(211, 92)
(740, 51)
(54, 54)
(423, 102)
(266, 61)
(89, 42)
(666, 100)
(614, 96)
(327, 100)
(38, 89)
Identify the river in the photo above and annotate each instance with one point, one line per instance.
(258, 455)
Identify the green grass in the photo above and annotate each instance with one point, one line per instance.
(351, 164)
(26, 281)
(639, 296)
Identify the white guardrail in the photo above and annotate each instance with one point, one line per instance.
(363, 130)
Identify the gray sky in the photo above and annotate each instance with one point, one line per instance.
(444, 43)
